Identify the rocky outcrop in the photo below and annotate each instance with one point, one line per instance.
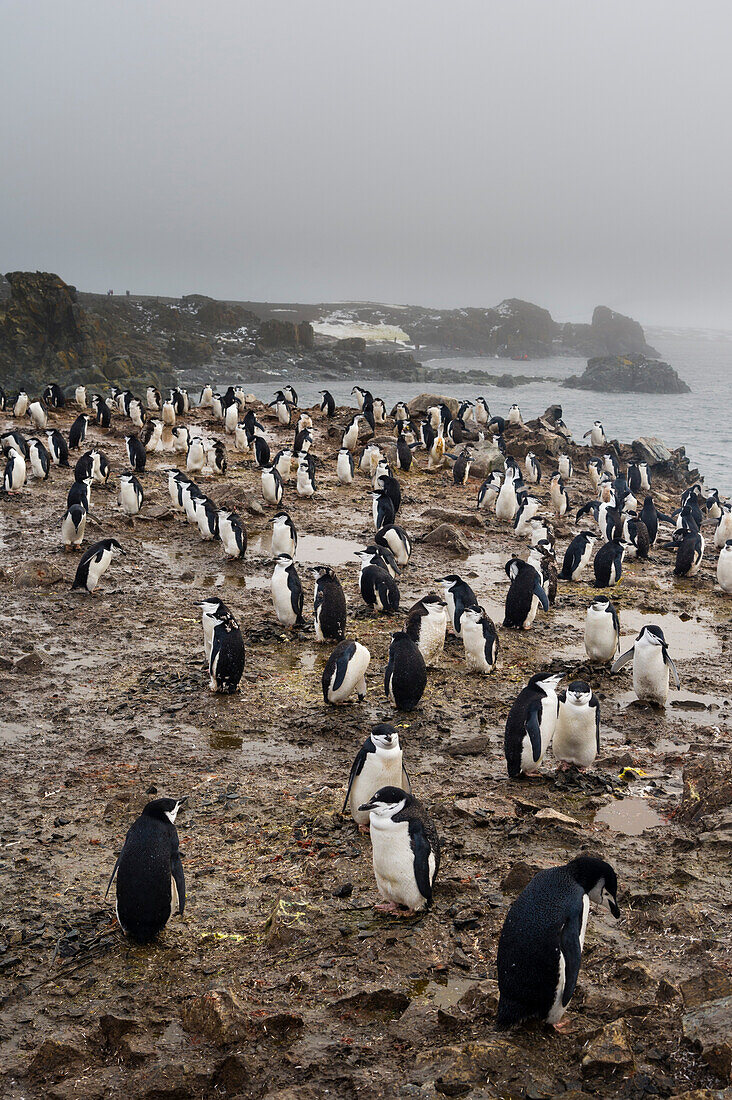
(610, 333)
(627, 374)
(286, 334)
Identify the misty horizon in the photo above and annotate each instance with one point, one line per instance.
(438, 155)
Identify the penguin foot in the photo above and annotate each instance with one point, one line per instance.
(387, 907)
(563, 1026)
(364, 828)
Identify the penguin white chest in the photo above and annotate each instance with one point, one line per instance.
(355, 678)
(575, 737)
(474, 644)
(650, 675)
(97, 569)
(381, 769)
(281, 598)
(282, 540)
(600, 636)
(558, 1009)
(506, 502)
(547, 725)
(724, 571)
(432, 637)
(394, 863)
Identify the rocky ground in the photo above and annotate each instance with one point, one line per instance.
(281, 981)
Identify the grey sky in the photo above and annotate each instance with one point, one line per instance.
(446, 153)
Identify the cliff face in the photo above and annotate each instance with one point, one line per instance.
(628, 374)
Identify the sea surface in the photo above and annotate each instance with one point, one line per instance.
(701, 420)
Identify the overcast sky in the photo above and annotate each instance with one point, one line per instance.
(444, 153)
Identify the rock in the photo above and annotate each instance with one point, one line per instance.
(6, 663)
(636, 974)
(376, 1001)
(652, 450)
(610, 1050)
(449, 538)
(56, 1053)
(231, 1075)
(482, 811)
(30, 573)
(114, 1027)
(469, 1066)
(481, 1000)
(707, 986)
(344, 891)
(468, 746)
(518, 878)
(219, 1015)
(627, 374)
(556, 816)
(449, 515)
(419, 405)
(28, 663)
(274, 333)
(709, 1027)
(486, 459)
(707, 789)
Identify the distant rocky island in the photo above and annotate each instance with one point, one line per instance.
(628, 374)
(50, 331)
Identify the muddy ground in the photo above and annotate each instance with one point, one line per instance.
(280, 980)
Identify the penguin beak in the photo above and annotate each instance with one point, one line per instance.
(367, 807)
(613, 907)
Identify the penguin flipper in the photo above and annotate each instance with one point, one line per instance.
(669, 661)
(540, 594)
(421, 849)
(176, 870)
(572, 951)
(623, 660)
(114, 872)
(342, 665)
(595, 702)
(533, 729)
(406, 781)
(357, 768)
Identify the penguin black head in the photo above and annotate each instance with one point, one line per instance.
(384, 735)
(653, 635)
(598, 879)
(164, 808)
(113, 546)
(579, 692)
(546, 681)
(387, 802)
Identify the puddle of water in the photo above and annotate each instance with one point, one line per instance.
(686, 637)
(487, 566)
(222, 739)
(442, 994)
(313, 549)
(256, 749)
(692, 707)
(631, 816)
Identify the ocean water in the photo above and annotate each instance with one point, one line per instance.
(701, 420)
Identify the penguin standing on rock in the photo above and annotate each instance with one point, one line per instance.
(379, 763)
(406, 673)
(57, 447)
(40, 459)
(636, 537)
(397, 540)
(608, 564)
(344, 466)
(272, 488)
(77, 431)
(426, 625)
(94, 564)
(458, 596)
(596, 435)
(131, 495)
(480, 640)
(328, 405)
(345, 672)
(525, 595)
(724, 568)
(383, 509)
(149, 872)
(329, 606)
(652, 664)
(530, 725)
(287, 594)
(577, 556)
(378, 588)
(577, 734)
(489, 490)
(540, 947)
(602, 631)
(406, 851)
(136, 453)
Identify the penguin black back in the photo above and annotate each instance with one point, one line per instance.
(406, 673)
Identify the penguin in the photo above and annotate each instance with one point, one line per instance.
(94, 564)
(608, 564)
(544, 561)
(282, 462)
(241, 440)
(480, 640)
(530, 724)
(153, 399)
(577, 556)
(15, 441)
(196, 455)
(724, 568)
(461, 468)
(15, 474)
(40, 459)
(380, 556)
(525, 595)
(92, 464)
(397, 540)
(497, 425)
(80, 493)
(602, 631)
(596, 435)
(287, 594)
(216, 457)
(306, 485)
(272, 487)
(329, 606)
(594, 470)
(458, 596)
(577, 734)
(217, 406)
(350, 435)
(3, 400)
(690, 548)
(213, 610)
(404, 453)
(713, 505)
(533, 468)
(489, 490)
(57, 447)
(514, 415)
(77, 431)
(723, 530)
(482, 412)
(426, 625)
(379, 763)
(636, 537)
(149, 872)
(345, 672)
(652, 664)
(80, 396)
(405, 851)
(436, 456)
(205, 401)
(131, 495)
(527, 509)
(382, 509)
(137, 415)
(361, 396)
(151, 436)
(610, 465)
(136, 453)
(465, 412)
(385, 483)
(284, 535)
(565, 467)
(282, 409)
(378, 588)
(541, 942)
(190, 495)
(327, 405)
(558, 495)
(168, 413)
(506, 501)
(176, 479)
(379, 409)
(20, 408)
(73, 526)
(226, 663)
(261, 450)
(231, 418)
(344, 466)
(290, 394)
(37, 413)
(232, 533)
(102, 411)
(181, 438)
(207, 518)
(401, 413)
(53, 396)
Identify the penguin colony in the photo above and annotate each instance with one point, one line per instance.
(540, 947)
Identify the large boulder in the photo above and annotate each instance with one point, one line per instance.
(419, 405)
(627, 374)
(274, 333)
